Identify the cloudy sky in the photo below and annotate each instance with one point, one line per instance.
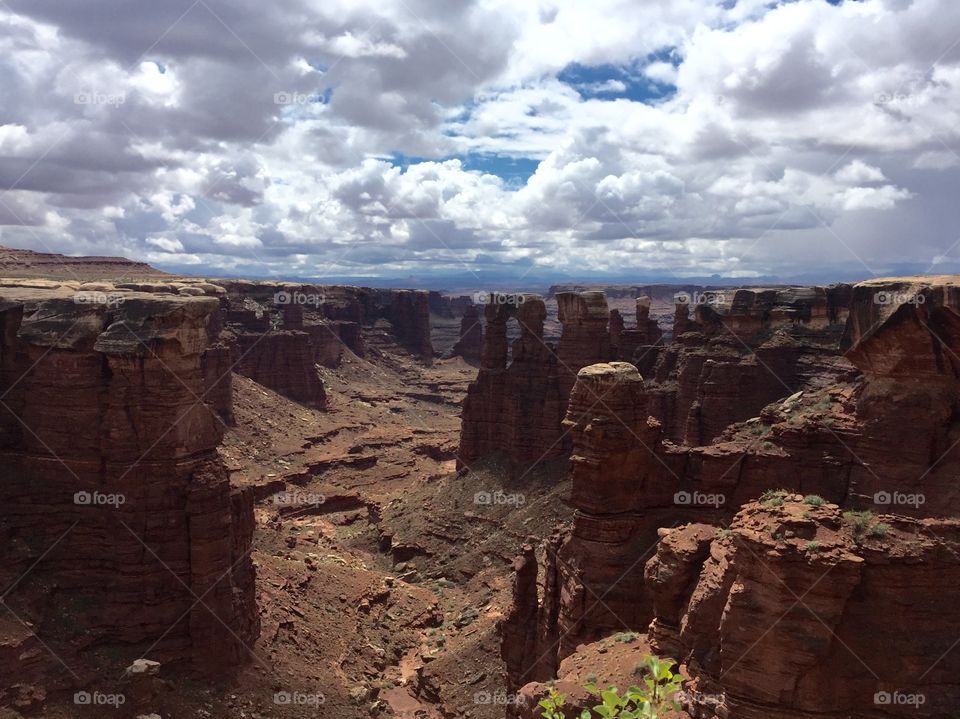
(493, 138)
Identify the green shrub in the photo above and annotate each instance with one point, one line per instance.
(813, 546)
(773, 497)
(865, 524)
(814, 500)
(648, 702)
(724, 533)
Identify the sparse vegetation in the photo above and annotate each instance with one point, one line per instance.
(626, 637)
(865, 524)
(724, 533)
(773, 497)
(813, 546)
(824, 403)
(660, 682)
(814, 500)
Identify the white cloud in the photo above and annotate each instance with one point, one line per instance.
(772, 144)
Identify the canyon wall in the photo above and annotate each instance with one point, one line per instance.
(516, 405)
(878, 437)
(122, 535)
(796, 611)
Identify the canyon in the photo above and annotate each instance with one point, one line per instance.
(229, 498)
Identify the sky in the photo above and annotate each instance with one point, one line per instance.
(486, 141)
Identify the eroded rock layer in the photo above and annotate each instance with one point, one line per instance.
(797, 611)
(879, 437)
(517, 403)
(121, 533)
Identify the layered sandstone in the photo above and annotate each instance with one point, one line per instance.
(641, 345)
(518, 401)
(745, 349)
(798, 611)
(470, 344)
(119, 519)
(881, 437)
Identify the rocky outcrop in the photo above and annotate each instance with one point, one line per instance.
(745, 349)
(283, 360)
(841, 439)
(470, 344)
(518, 401)
(122, 535)
(409, 313)
(514, 407)
(798, 610)
(641, 345)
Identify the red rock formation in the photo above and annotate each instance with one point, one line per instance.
(409, 313)
(845, 441)
(798, 612)
(747, 348)
(285, 362)
(642, 345)
(517, 408)
(585, 338)
(470, 344)
(115, 508)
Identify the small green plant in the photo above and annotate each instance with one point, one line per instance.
(813, 546)
(814, 500)
(773, 497)
(865, 524)
(591, 678)
(553, 705)
(724, 533)
(660, 685)
(626, 637)
(824, 403)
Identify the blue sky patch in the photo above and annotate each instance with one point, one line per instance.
(609, 82)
